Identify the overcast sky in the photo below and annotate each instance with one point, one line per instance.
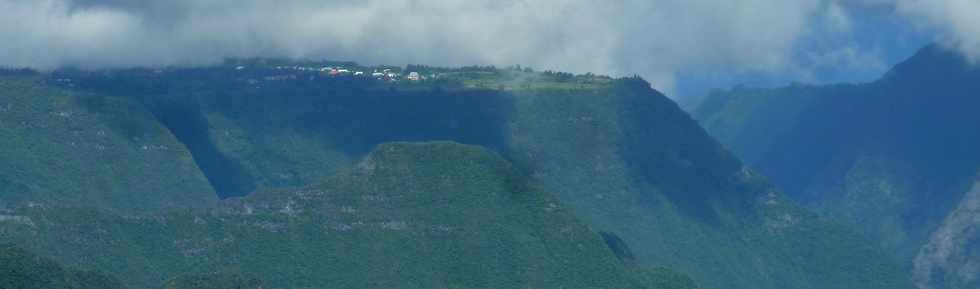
(681, 46)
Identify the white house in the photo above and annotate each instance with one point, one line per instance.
(414, 76)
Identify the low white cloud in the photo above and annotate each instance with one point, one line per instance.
(956, 21)
(838, 18)
(658, 39)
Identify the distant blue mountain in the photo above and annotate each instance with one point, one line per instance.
(897, 158)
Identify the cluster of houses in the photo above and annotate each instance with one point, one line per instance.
(65, 81)
(384, 74)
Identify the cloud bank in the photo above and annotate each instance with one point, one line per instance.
(957, 22)
(658, 39)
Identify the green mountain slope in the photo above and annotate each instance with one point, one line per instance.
(632, 163)
(215, 280)
(621, 156)
(434, 215)
(20, 269)
(62, 146)
(949, 258)
(893, 158)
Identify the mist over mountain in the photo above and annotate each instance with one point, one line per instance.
(686, 47)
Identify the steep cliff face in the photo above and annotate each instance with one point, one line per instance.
(620, 155)
(893, 158)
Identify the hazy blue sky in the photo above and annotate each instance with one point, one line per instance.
(684, 47)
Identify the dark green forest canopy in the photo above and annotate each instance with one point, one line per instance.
(216, 280)
(21, 269)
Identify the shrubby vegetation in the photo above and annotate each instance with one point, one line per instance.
(215, 280)
(20, 269)
(70, 147)
(431, 215)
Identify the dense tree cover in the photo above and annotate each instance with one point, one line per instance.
(20, 269)
(429, 215)
(68, 147)
(215, 280)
